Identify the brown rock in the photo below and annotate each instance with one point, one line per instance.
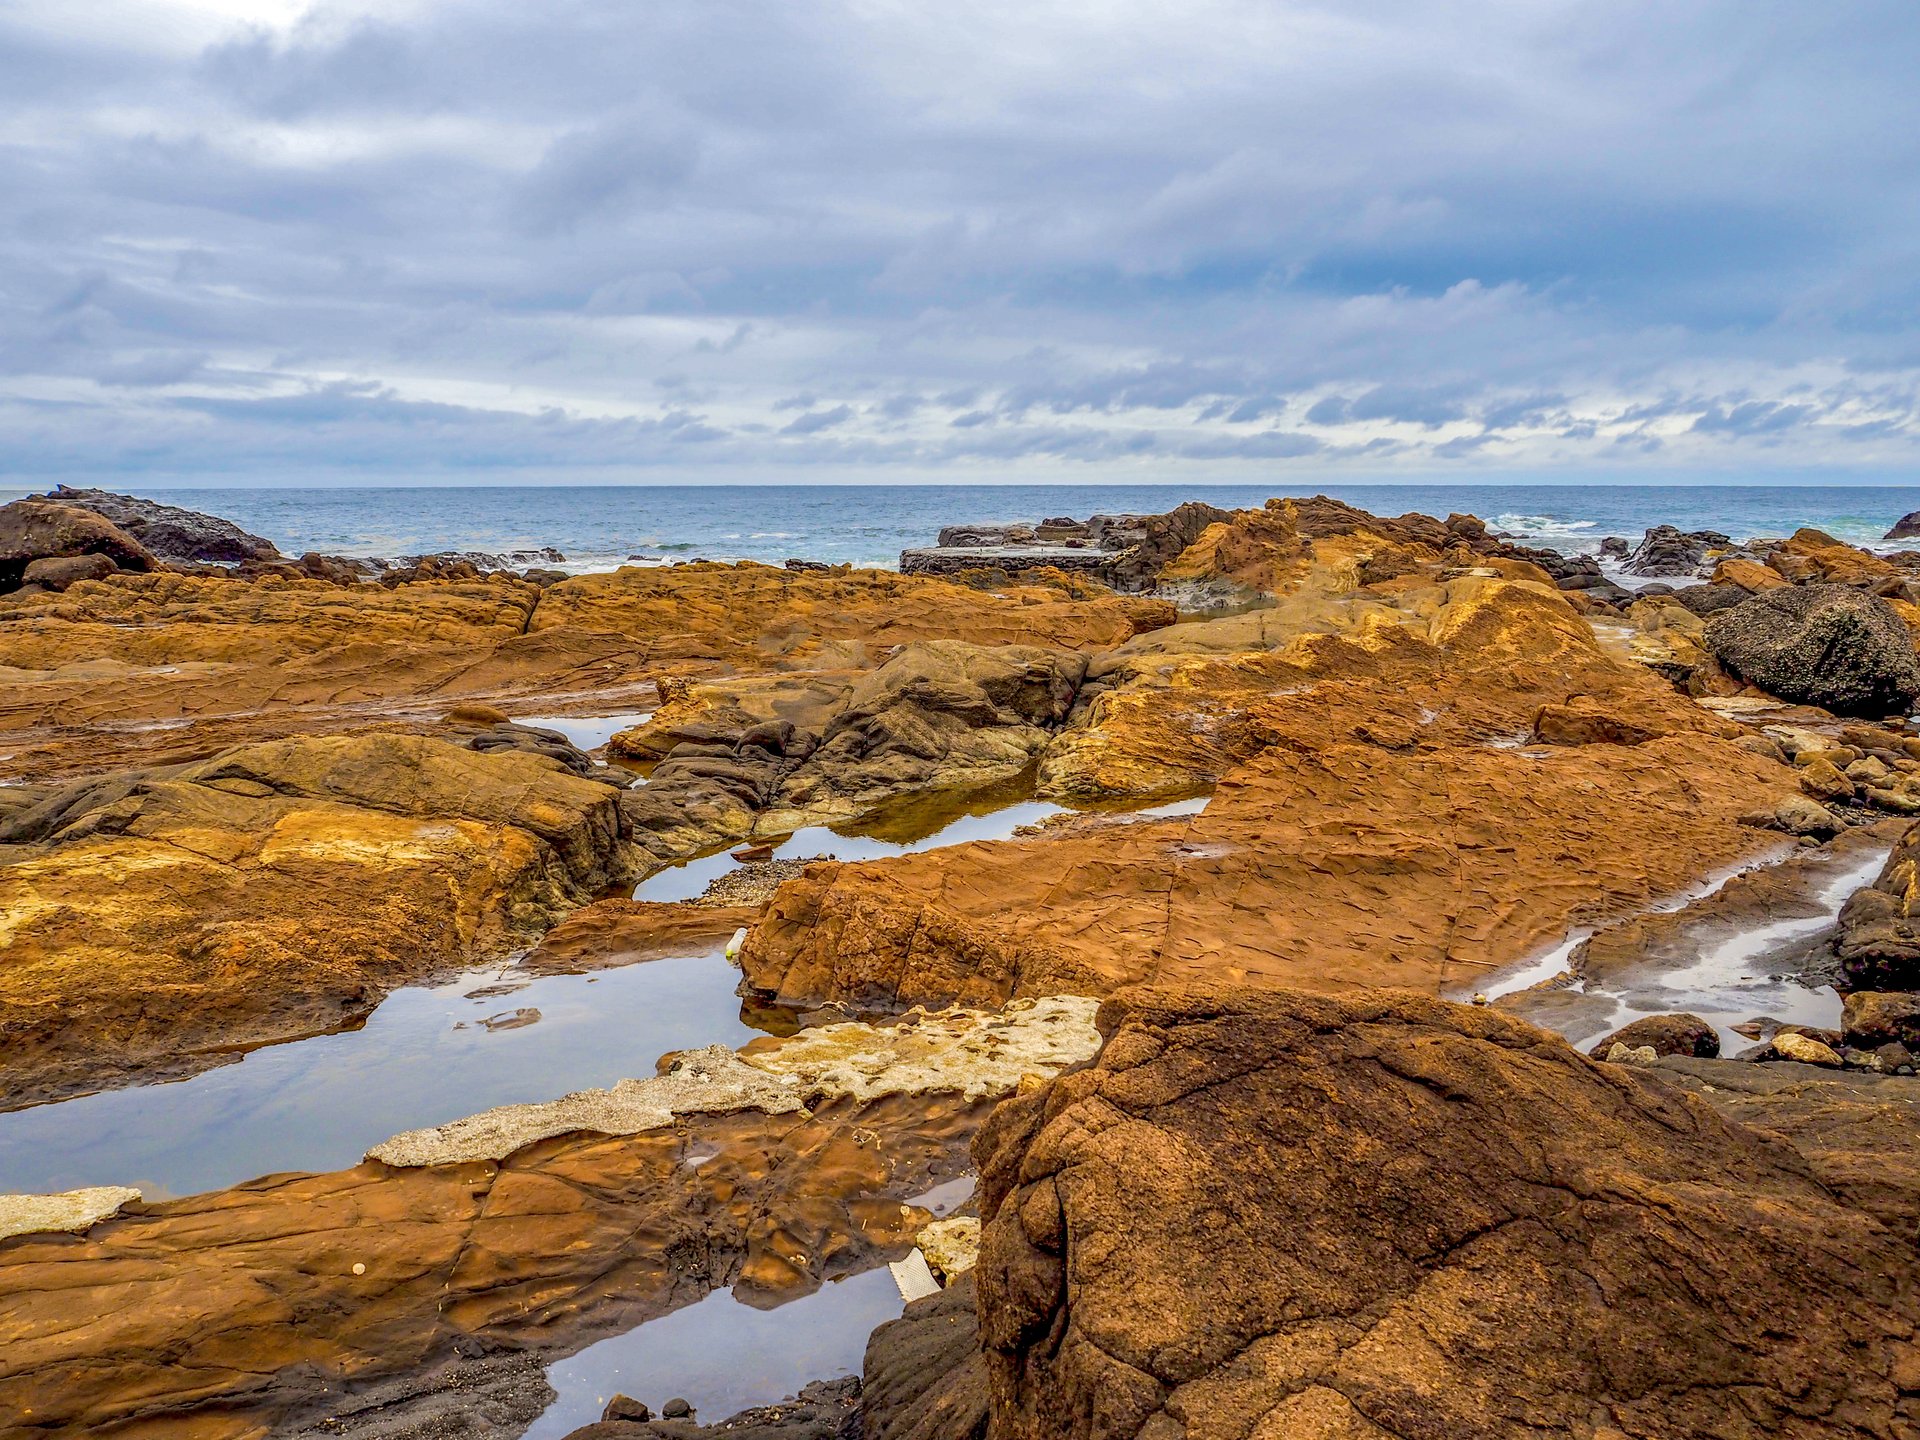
(1318, 868)
(1748, 575)
(1214, 1221)
(1879, 940)
(56, 573)
(273, 891)
(229, 1313)
(1874, 1018)
(924, 1378)
(1824, 780)
(1804, 1049)
(1664, 1035)
(40, 530)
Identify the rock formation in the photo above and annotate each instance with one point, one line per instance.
(1666, 551)
(38, 532)
(168, 531)
(1382, 1216)
(328, 1295)
(158, 919)
(1820, 644)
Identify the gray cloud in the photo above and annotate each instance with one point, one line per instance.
(699, 232)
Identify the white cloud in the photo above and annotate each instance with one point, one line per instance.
(1236, 233)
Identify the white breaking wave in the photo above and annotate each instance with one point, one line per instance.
(1541, 525)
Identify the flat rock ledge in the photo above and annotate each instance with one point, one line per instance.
(72, 1212)
(977, 1054)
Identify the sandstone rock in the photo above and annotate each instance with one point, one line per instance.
(1820, 645)
(1871, 772)
(1804, 1049)
(168, 531)
(952, 1246)
(974, 1054)
(1824, 780)
(625, 1407)
(1586, 725)
(241, 1312)
(56, 573)
(1620, 1054)
(33, 530)
(1747, 575)
(72, 1212)
(924, 1377)
(1797, 815)
(1213, 1221)
(1308, 867)
(1879, 941)
(274, 890)
(1875, 1018)
(1665, 1035)
(1812, 556)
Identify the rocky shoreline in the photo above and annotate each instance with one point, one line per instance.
(1325, 1166)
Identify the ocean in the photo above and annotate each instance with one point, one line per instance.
(601, 527)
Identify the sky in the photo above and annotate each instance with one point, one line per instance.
(1122, 240)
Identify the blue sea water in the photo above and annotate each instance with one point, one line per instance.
(598, 527)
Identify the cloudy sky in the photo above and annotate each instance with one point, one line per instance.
(861, 239)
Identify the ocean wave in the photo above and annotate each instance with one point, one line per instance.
(774, 535)
(1541, 525)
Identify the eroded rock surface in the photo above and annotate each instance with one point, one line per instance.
(1386, 1217)
(152, 918)
(294, 1298)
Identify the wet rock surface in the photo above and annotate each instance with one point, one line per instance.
(228, 1313)
(162, 917)
(1209, 1229)
(1666, 551)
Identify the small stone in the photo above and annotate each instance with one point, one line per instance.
(625, 1407)
(1869, 771)
(1678, 1034)
(676, 1409)
(1797, 815)
(1805, 1050)
(1631, 1054)
(359, 1267)
(1824, 780)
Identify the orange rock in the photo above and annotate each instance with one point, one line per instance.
(1349, 865)
(1816, 556)
(229, 1313)
(1749, 575)
(158, 920)
(1304, 1216)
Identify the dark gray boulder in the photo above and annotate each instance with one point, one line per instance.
(1664, 550)
(1826, 645)
(1907, 527)
(168, 531)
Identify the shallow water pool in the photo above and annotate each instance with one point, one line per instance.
(425, 1056)
(721, 1355)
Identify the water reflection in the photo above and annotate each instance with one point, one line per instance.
(722, 1355)
(426, 1056)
